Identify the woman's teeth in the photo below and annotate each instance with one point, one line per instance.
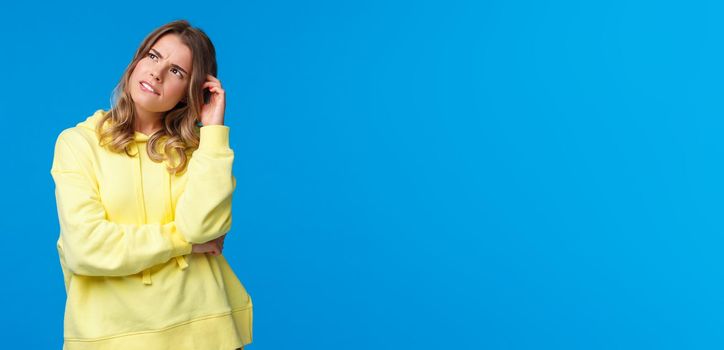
(148, 88)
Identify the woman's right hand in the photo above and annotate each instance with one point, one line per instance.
(213, 247)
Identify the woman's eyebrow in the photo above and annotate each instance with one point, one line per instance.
(173, 64)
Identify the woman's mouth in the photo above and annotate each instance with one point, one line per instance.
(148, 88)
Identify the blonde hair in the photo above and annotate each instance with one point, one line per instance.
(180, 132)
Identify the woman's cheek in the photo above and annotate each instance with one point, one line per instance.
(180, 91)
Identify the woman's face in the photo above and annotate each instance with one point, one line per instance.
(166, 68)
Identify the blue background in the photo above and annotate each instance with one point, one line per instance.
(415, 174)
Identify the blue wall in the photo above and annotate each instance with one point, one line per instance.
(416, 174)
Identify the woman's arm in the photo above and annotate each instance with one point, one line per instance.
(93, 245)
(203, 211)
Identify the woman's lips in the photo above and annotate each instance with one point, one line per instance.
(146, 89)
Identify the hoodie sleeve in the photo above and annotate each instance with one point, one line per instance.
(203, 211)
(92, 245)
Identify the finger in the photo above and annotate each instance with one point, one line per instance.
(212, 78)
(213, 248)
(213, 87)
(217, 90)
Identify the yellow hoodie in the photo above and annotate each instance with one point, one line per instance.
(126, 229)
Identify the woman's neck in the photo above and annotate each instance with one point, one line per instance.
(147, 122)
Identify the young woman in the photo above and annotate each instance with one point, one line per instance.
(143, 193)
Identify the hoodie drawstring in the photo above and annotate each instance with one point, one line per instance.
(180, 260)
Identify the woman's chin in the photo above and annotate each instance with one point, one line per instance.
(147, 103)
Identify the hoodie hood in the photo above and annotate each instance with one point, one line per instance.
(92, 120)
(140, 139)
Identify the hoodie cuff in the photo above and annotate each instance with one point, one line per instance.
(214, 138)
(179, 246)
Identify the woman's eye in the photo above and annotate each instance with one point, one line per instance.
(176, 71)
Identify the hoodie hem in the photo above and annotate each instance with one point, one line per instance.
(229, 330)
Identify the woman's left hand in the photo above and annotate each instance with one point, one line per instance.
(212, 113)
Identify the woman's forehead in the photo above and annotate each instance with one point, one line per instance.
(172, 48)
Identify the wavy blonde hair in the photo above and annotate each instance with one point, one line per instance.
(181, 130)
